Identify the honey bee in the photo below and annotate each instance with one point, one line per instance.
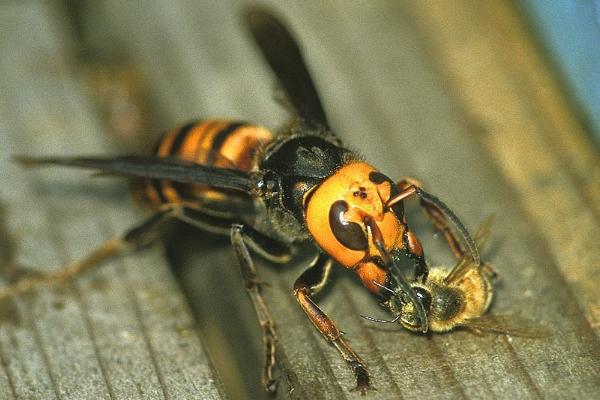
(271, 192)
(459, 297)
(452, 297)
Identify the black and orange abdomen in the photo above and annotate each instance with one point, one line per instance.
(220, 143)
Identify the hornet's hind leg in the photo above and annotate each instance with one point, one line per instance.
(136, 237)
(146, 232)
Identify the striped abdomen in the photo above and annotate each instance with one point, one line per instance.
(225, 144)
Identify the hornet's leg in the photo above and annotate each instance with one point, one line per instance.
(414, 251)
(240, 234)
(310, 283)
(436, 216)
(136, 237)
(243, 238)
(262, 244)
(412, 245)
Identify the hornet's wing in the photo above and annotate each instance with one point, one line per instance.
(151, 167)
(285, 58)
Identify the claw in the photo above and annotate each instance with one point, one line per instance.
(363, 380)
(363, 389)
(271, 386)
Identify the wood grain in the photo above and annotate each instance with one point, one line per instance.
(123, 331)
(455, 94)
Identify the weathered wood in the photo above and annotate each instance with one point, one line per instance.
(123, 331)
(453, 94)
(559, 187)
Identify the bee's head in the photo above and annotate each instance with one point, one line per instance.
(411, 311)
(445, 306)
(405, 311)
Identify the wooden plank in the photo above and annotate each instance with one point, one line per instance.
(123, 331)
(479, 192)
(426, 89)
(389, 94)
(559, 186)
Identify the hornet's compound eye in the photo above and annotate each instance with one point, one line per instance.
(350, 234)
(379, 178)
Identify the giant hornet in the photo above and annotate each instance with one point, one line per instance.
(272, 192)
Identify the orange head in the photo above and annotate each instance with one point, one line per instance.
(337, 209)
(356, 216)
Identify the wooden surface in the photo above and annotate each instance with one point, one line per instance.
(124, 331)
(452, 93)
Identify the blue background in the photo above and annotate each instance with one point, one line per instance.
(570, 31)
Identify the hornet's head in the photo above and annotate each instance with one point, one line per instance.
(354, 215)
(337, 209)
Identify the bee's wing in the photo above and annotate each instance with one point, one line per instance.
(152, 167)
(483, 233)
(508, 325)
(466, 261)
(285, 58)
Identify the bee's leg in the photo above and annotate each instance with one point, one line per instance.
(240, 234)
(138, 236)
(310, 283)
(436, 216)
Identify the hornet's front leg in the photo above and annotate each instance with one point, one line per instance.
(310, 283)
(442, 218)
(436, 216)
(410, 243)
